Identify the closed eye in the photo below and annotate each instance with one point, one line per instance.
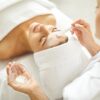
(54, 29)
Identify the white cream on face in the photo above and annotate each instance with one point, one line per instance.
(60, 32)
(54, 37)
(21, 79)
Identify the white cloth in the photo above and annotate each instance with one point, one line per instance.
(87, 86)
(60, 65)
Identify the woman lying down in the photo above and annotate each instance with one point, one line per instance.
(86, 87)
(53, 51)
(55, 62)
(22, 81)
(53, 54)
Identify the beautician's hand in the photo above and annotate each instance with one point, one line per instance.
(13, 71)
(30, 87)
(83, 32)
(84, 35)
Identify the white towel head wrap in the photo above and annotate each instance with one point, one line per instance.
(14, 12)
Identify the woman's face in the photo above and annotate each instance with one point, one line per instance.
(98, 19)
(44, 36)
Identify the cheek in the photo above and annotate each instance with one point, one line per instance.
(98, 24)
(33, 43)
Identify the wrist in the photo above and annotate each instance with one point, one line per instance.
(37, 94)
(93, 48)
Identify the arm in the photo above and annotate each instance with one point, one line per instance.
(84, 35)
(29, 87)
(38, 94)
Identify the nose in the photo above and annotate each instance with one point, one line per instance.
(44, 30)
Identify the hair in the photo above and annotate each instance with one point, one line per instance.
(98, 2)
